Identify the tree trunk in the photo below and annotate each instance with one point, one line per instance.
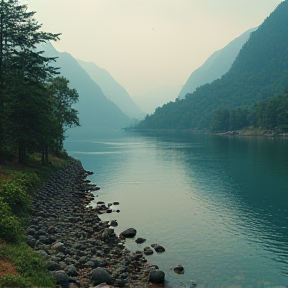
(46, 154)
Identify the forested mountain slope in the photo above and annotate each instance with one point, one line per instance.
(96, 112)
(216, 65)
(112, 89)
(260, 71)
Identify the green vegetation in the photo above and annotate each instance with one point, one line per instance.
(259, 72)
(269, 114)
(35, 105)
(35, 111)
(32, 268)
(18, 184)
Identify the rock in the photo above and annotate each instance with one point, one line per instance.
(31, 241)
(108, 232)
(129, 233)
(58, 246)
(61, 278)
(113, 223)
(100, 275)
(140, 240)
(156, 276)
(53, 266)
(148, 251)
(115, 203)
(119, 283)
(71, 271)
(31, 231)
(179, 269)
(158, 248)
(43, 252)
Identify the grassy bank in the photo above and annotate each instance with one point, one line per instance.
(20, 265)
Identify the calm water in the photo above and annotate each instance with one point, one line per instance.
(218, 205)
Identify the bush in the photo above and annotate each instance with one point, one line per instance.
(10, 228)
(17, 192)
(14, 281)
(31, 265)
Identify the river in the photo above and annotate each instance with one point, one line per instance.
(219, 205)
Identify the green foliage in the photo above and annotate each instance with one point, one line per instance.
(31, 265)
(35, 107)
(17, 191)
(15, 281)
(268, 114)
(10, 228)
(259, 72)
(271, 113)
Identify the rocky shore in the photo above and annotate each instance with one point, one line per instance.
(82, 250)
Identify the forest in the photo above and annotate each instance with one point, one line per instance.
(268, 114)
(35, 102)
(259, 72)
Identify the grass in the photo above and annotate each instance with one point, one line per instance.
(20, 265)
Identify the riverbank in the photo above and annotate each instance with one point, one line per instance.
(243, 132)
(81, 249)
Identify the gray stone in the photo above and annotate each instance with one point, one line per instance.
(179, 269)
(53, 266)
(113, 223)
(148, 251)
(158, 248)
(100, 275)
(129, 233)
(31, 241)
(156, 276)
(140, 240)
(61, 278)
(71, 271)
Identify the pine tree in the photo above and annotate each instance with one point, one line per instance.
(21, 66)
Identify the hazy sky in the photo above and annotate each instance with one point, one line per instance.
(146, 44)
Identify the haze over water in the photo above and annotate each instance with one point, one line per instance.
(217, 204)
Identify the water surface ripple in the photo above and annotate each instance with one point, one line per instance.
(218, 205)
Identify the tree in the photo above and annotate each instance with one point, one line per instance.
(21, 65)
(64, 114)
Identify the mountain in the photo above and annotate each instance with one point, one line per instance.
(96, 112)
(112, 89)
(151, 99)
(259, 72)
(216, 65)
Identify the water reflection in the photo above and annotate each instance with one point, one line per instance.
(253, 174)
(218, 204)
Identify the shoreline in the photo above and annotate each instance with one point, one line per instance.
(244, 132)
(82, 250)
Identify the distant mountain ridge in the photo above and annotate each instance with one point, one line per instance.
(216, 65)
(96, 112)
(259, 72)
(112, 89)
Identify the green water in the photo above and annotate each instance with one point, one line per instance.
(218, 205)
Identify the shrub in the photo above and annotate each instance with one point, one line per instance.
(31, 265)
(14, 281)
(10, 228)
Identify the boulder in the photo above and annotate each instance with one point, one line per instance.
(71, 271)
(61, 278)
(129, 233)
(100, 275)
(156, 276)
(53, 266)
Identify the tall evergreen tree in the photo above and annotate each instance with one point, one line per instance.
(21, 65)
